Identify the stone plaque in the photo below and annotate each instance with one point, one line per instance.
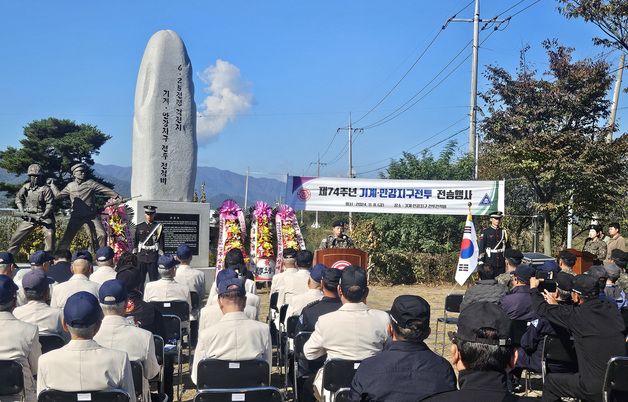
(179, 229)
(164, 123)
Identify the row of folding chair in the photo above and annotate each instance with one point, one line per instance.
(248, 380)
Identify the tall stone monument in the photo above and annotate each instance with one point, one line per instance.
(165, 146)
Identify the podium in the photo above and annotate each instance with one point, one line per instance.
(584, 260)
(341, 258)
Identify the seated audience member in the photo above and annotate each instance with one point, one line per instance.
(482, 353)
(532, 340)
(117, 333)
(40, 261)
(20, 342)
(212, 313)
(597, 329)
(329, 303)
(166, 288)
(620, 258)
(251, 299)
(612, 290)
(104, 261)
(486, 289)
(512, 259)
(313, 293)
(235, 337)
(566, 262)
(82, 364)
(194, 280)
(353, 332)
(289, 268)
(79, 282)
(517, 302)
(406, 370)
(599, 273)
(127, 260)
(295, 282)
(36, 311)
(7, 264)
(60, 269)
(235, 260)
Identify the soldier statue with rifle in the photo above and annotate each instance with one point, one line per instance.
(35, 205)
(82, 193)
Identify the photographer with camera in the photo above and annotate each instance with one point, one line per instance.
(517, 303)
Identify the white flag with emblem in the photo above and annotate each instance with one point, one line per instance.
(468, 260)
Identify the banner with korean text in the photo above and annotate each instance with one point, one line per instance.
(431, 197)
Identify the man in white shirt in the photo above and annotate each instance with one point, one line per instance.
(104, 261)
(117, 333)
(40, 261)
(294, 279)
(82, 364)
(194, 279)
(251, 299)
(37, 311)
(353, 332)
(235, 337)
(81, 269)
(313, 293)
(20, 342)
(166, 289)
(235, 260)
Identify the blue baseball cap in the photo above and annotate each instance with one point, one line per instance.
(82, 255)
(39, 258)
(524, 272)
(104, 254)
(166, 262)
(317, 271)
(36, 280)
(112, 291)
(225, 274)
(82, 310)
(184, 252)
(549, 266)
(8, 289)
(6, 258)
(230, 285)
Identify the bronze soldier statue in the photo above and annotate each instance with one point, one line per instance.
(82, 193)
(338, 239)
(35, 202)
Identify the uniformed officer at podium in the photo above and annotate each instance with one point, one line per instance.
(338, 239)
(149, 243)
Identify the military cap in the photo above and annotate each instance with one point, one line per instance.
(549, 266)
(6, 258)
(112, 292)
(8, 289)
(82, 310)
(166, 262)
(34, 170)
(497, 214)
(150, 209)
(105, 253)
(77, 166)
(337, 223)
(483, 315)
(39, 258)
(225, 274)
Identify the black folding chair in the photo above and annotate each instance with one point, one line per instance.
(338, 374)
(616, 380)
(159, 353)
(222, 374)
(195, 300)
(557, 351)
(343, 395)
(283, 311)
(174, 336)
(518, 328)
(299, 340)
(291, 326)
(452, 305)
(11, 378)
(266, 394)
(138, 378)
(50, 342)
(115, 395)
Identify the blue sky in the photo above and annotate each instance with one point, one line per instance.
(303, 67)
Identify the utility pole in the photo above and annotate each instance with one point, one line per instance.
(350, 175)
(474, 143)
(246, 188)
(611, 120)
(315, 225)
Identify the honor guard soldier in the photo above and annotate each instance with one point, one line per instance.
(338, 239)
(149, 243)
(37, 201)
(492, 244)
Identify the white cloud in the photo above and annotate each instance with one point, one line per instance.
(228, 96)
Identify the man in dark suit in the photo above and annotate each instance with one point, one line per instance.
(149, 243)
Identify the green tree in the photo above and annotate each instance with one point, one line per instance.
(56, 144)
(548, 135)
(611, 16)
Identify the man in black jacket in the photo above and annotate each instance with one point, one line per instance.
(482, 351)
(597, 329)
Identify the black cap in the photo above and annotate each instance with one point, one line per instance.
(585, 285)
(620, 257)
(289, 253)
(82, 255)
(497, 214)
(6, 258)
(524, 272)
(568, 257)
(407, 309)
(598, 272)
(515, 256)
(337, 223)
(353, 276)
(150, 209)
(132, 278)
(483, 315)
(331, 277)
(8, 289)
(564, 281)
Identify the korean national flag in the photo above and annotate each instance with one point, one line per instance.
(468, 260)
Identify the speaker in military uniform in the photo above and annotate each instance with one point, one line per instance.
(492, 244)
(338, 239)
(149, 243)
